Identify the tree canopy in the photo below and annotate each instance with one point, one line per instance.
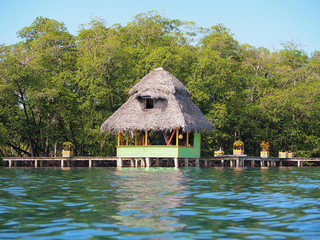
(56, 87)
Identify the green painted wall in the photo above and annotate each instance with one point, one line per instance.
(148, 151)
(161, 151)
(191, 152)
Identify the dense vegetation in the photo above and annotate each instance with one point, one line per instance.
(56, 87)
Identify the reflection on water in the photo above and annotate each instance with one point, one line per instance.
(146, 197)
(160, 203)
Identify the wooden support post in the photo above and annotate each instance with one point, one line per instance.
(132, 162)
(136, 162)
(177, 137)
(206, 163)
(119, 163)
(157, 162)
(237, 163)
(231, 163)
(252, 163)
(261, 163)
(121, 140)
(222, 163)
(299, 163)
(143, 164)
(127, 140)
(135, 137)
(146, 138)
(148, 163)
(169, 142)
(186, 162)
(62, 163)
(187, 142)
(197, 162)
(90, 163)
(10, 163)
(176, 162)
(280, 163)
(268, 163)
(35, 163)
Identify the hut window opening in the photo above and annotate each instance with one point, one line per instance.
(149, 103)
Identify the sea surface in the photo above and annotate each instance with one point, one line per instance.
(160, 203)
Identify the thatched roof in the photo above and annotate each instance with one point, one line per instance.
(172, 107)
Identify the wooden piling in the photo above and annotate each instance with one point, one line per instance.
(119, 163)
(186, 162)
(197, 162)
(148, 162)
(176, 162)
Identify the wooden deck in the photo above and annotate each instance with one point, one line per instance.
(112, 161)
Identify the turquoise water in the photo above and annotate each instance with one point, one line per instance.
(160, 203)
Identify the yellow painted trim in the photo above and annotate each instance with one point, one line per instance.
(118, 139)
(146, 142)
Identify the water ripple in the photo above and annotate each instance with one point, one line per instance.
(191, 203)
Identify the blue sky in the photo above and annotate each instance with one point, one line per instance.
(261, 23)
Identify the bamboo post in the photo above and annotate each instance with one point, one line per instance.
(187, 141)
(177, 137)
(146, 143)
(135, 137)
(169, 142)
(121, 139)
(127, 140)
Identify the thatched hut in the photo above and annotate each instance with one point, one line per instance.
(159, 120)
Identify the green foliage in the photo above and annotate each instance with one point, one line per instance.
(2, 163)
(56, 87)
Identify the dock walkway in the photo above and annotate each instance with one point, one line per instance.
(112, 161)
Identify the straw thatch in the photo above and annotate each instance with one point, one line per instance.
(172, 107)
